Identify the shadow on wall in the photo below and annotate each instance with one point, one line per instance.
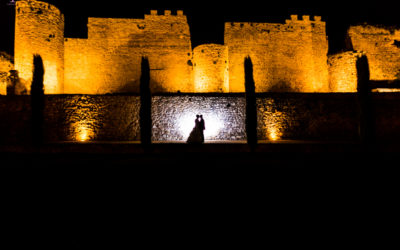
(16, 85)
(124, 68)
(282, 87)
(133, 86)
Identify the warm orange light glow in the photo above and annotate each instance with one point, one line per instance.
(385, 90)
(274, 133)
(83, 132)
(379, 45)
(343, 72)
(109, 60)
(211, 72)
(273, 125)
(287, 57)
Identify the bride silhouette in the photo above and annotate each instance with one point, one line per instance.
(197, 134)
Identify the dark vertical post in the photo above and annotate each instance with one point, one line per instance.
(366, 119)
(145, 103)
(37, 100)
(251, 109)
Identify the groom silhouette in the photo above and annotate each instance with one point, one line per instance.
(202, 127)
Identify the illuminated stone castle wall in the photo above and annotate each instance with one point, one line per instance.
(286, 57)
(211, 68)
(6, 65)
(382, 47)
(109, 60)
(343, 71)
(39, 29)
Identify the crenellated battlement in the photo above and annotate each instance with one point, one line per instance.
(304, 19)
(290, 25)
(167, 14)
(288, 55)
(171, 24)
(300, 44)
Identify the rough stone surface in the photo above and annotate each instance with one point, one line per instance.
(294, 116)
(381, 45)
(343, 71)
(289, 57)
(108, 61)
(286, 57)
(39, 29)
(307, 116)
(173, 116)
(210, 66)
(92, 118)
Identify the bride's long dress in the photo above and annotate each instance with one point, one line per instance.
(195, 136)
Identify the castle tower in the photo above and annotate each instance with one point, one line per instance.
(39, 29)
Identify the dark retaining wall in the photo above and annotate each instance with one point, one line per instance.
(307, 116)
(72, 118)
(92, 117)
(15, 119)
(280, 116)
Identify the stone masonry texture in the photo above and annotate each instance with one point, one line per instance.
(382, 47)
(296, 116)
(39, 29)
(291, 56)
(173, 116)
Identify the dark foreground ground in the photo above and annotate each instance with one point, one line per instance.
(265, 156)
(292, 159)
(122, 196)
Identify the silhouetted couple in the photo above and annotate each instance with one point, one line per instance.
(197, 134)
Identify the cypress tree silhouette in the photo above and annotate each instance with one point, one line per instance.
(251, 109)
(37, 100)
(366, 122)
(145, 103)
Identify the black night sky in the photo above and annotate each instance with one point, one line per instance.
(206, 18)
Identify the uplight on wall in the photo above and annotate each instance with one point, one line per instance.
(273, 125)
(274, 132)
(83, 133)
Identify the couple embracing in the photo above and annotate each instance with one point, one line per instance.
(197, 134)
